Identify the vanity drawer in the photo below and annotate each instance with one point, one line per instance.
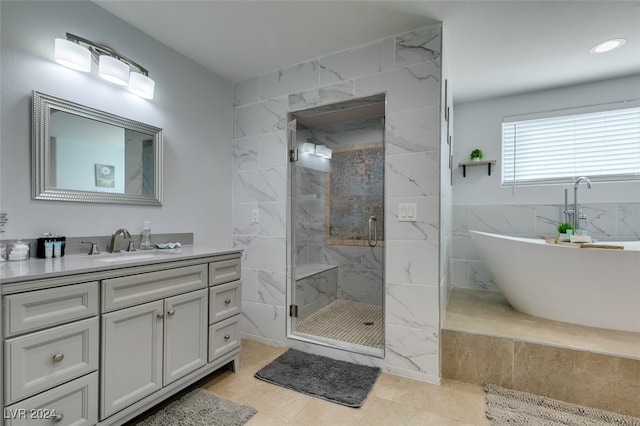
(223, 337)
(35, 310)
(133, 290)
(224, 301)
(74, 403)
(224, 271)
(44, 359)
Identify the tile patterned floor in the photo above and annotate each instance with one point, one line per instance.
(347, 321)
(394, 400)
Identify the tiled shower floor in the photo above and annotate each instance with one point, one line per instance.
(347, 321)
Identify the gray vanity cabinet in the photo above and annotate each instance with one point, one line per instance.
(51, 356)
(102, 345)
(150, 345)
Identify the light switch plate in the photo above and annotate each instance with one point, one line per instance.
(407, 212)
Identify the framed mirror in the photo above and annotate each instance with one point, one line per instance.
(85, 155)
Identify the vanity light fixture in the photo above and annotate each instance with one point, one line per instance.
(607, 46)
(76, 53)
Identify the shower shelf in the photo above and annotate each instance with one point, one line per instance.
(476, 163)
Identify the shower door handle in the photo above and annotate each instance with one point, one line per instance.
(373, 225)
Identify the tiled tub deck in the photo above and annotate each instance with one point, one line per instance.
(485, 341)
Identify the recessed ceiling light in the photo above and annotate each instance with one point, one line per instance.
(608, 45)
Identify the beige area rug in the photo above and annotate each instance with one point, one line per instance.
(347, 321)
(200, 408)
(511, 407)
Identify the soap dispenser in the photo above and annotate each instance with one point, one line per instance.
(145, 241)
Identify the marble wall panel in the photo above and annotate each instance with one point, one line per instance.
(413, 352)
(292, 79)
(405, 305)
(246, 153)
(423, 45)
(512, 220)
(413, 130)
(346, 65)
(271, 287)
(263, 185)
(262, 252)
(412, 262)
(406, 88)
(273, 150)
(324, 95)
(260, 118)
(263, 322)
(272, 219)
(426, 227)
(628, 220)
(413, 175)
(242, 219)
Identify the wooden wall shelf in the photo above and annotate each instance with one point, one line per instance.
(476, 163)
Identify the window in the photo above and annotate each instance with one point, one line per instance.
(601, 142)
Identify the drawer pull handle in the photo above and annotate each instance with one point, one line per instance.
(227, 301)
(227, 337)
(58, 418)
(160, 316)
(171, 312)
(58, 357)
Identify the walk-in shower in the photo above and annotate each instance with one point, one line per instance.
(336, 232)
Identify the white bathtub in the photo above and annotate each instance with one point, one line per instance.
(594, 287)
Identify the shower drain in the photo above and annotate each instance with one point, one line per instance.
(368, 323)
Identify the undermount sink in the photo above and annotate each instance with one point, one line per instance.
(128, 257)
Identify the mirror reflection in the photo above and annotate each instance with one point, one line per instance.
(87, 155)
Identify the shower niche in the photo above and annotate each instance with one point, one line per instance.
(336, 230)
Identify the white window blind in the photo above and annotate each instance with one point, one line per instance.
(603, 145)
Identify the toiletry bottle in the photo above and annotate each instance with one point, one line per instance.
(145, 241)
(48, 249)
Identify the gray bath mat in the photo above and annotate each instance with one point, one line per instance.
(511, 407)
(336, 381)
(201, 408)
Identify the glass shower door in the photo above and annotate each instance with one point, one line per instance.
(337, 232)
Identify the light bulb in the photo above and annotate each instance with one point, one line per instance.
(113, 70)
(141, 85)
(72, 55)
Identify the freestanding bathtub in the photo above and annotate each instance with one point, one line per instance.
(588, 286)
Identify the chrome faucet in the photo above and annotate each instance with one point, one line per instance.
(577, 216)
(114, 247)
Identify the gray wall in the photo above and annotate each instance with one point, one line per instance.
(191, 105)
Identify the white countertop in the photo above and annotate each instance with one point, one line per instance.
(24, 270)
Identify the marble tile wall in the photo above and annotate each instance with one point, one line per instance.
(604, 222)
(407, 69)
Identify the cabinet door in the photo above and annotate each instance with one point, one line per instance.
(132, 355)
(185, 342)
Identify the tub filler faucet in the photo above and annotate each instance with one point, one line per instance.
(573, 216)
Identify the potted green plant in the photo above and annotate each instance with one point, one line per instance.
(562, 229)
(476, 155)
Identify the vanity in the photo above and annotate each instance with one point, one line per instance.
(100, 339)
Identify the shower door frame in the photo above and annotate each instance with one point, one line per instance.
(291, 333)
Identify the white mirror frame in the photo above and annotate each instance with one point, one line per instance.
(40, 154)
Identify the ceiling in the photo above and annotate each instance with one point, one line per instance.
(493, 48)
